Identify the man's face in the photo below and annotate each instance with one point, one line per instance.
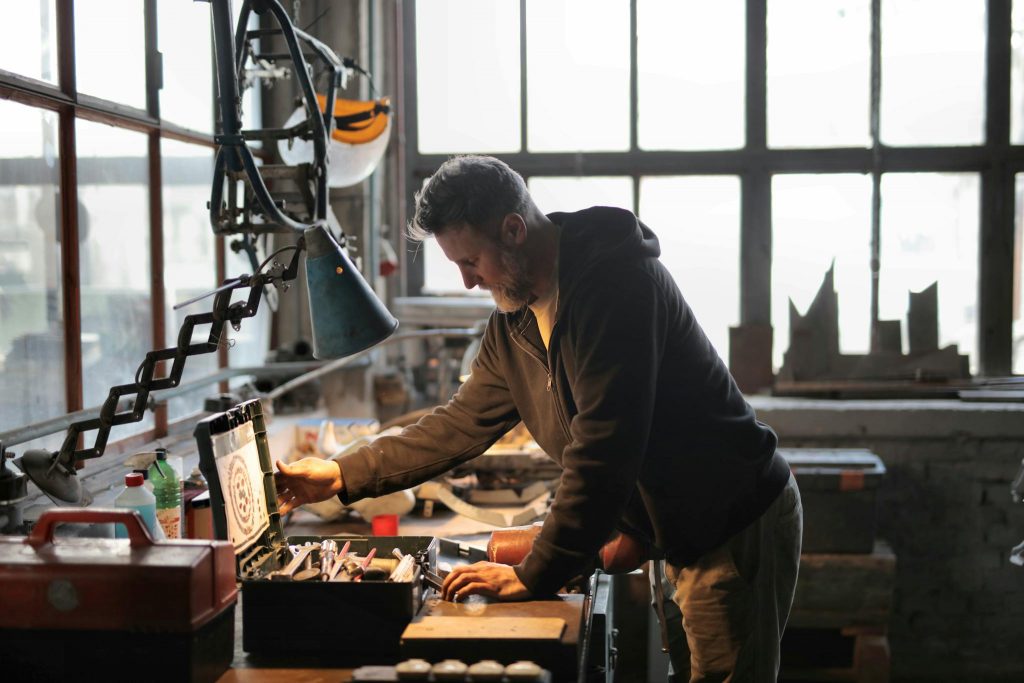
(489, 265)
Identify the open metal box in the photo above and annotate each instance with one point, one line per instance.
(282, 617)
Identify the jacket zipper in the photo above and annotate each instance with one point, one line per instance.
(546, 364)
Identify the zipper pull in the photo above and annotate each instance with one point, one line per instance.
(549, 381)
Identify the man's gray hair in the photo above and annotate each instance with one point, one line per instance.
(478, 190)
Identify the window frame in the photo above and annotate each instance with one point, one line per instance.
(70, 106)
(996, 161)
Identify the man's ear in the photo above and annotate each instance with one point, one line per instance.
(513, 229)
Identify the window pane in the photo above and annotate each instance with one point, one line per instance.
(110, 53)
(467, 75)
(819, 73)
(249, 345)
(252, 97)
(187, 96)
(818, 220)
(575, 194)
(1017, 75)
(189, 257)
(28, 39)
(1018, 275)
(690, 61)
(441, 276)
(31, 314)
(578, 75)
(933, 72)
(697, 220)
(930, 234)
(113, 219)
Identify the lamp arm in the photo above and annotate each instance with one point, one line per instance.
(224, 311)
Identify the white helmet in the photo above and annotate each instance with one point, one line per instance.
(362, 130)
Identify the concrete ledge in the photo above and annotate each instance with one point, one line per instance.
(795, 418)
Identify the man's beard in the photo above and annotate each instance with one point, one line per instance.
(514, 293)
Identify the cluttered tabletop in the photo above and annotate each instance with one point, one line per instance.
(555, 624)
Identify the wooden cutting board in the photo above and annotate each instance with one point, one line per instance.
(477, 628)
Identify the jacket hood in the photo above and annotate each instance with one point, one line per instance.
(594, 236)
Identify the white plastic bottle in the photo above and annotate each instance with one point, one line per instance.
(136, 497)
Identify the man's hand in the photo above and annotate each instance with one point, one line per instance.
(309, 480)
(489, 579)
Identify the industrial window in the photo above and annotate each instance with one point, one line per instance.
(933, 80)
(819, 79)
(930, 234)
(697, 220)
(468, 85)
(28, 39)
(189, 252)
(690, 74)
(820, 222)
(110, 50)
(899, 121)
(31, 286)
(589, 110)
(104, 180)
(113, 259)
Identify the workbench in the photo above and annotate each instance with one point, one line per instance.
(587, 636)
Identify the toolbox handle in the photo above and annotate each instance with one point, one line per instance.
(42, 533)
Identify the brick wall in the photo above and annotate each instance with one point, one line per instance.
(945, 508)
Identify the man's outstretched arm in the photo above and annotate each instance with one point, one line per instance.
(309, 480)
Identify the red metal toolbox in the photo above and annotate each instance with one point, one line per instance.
(344, 622)
(120, 609)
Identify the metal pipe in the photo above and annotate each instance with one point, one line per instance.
(457, 332)
(312, 369)
(59, 424)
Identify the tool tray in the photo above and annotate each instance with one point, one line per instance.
(347, 621)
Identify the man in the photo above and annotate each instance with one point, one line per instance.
(594, 348)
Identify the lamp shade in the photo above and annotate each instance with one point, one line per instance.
(346, 315)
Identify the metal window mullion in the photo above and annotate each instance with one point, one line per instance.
(755, 196)
(69, 253)
(996, 238)
(875, 245)
(524, 102)
(157, 291)
(71, 286)
(154, 69)
(409, 101)
(634, 83)
(373, 185)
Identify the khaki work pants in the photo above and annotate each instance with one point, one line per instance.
(724, 615)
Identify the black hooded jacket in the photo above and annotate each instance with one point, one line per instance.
(630, 398)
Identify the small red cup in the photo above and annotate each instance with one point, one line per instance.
(385, 525)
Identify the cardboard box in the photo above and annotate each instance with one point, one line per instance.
(839, 490)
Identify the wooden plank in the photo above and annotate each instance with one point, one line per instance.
(838, 590)
(504, 628)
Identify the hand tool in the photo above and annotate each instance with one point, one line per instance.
(288, 573)
(433, 580)
(328, 551)
(339, 562)
(366, 563)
